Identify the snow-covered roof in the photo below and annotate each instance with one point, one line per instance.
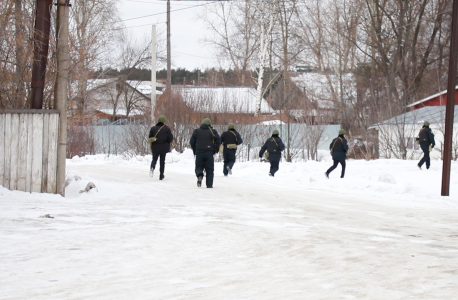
(121, 111)
(222, 99)
(317, 86)
(95, 83)
(432, 114)
(325, 104)
(272, 122)
(144, 87)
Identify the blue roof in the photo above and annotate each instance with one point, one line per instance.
(432, 114)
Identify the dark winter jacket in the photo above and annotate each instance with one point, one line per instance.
(339, 148)
(274, 145)
(231, 137)
(426, 136)
(205, 138)
(164, 138)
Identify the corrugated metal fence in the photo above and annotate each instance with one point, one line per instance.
(28, 150)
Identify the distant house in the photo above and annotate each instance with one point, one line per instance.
(438, 99)
(119, 100)
(312, 97)
(223, 105)
(144, 87)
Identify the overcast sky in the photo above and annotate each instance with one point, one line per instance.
(187, 31)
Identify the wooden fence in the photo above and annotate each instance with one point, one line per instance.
(28, 150)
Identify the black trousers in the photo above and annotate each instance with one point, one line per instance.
(229, 159)
(425, 158)
(204, 160)
(161, 162)
(274, 166)
(336, 162)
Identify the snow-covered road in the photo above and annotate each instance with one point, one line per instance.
(251, 237)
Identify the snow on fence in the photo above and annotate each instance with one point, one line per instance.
(28, 150)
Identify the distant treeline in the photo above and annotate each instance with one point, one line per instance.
(213, 77)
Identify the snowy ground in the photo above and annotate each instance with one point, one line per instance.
(383, 232)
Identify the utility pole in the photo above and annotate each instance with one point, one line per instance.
(40, 51)
(153, 73)
(450, 106)
(60, 91)
(169, 54)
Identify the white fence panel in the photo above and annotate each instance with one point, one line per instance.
(28, 150)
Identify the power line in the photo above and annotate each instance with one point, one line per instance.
(161, 13)
(193, 55)
(149, 24)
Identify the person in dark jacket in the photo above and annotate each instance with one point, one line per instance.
(339, 148)
(274, 146)
(230, 139)
(161, 146)
(205, 142)
(426, 138)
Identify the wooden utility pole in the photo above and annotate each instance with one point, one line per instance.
(40, 51)
(169, 54)
(153, 73)
(60, 91)
(450, 106)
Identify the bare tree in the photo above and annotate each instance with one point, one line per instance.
(233, 27)
(266, 26)
(179, 118)
(401, 39)
(94, 31)
(16, 21)
(133, 54)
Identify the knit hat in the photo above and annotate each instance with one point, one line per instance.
(230, 126)
(207, 121)
(161, 119)
(341, 131)
(275, 132)
(426, 123)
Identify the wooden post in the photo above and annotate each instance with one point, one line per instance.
(40, 51)
(60, 96)
(450, 107)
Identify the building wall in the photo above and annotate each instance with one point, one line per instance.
(440, 100)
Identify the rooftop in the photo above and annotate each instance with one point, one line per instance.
(432, 114)
(222, 99)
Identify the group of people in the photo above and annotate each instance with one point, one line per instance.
(206, 142)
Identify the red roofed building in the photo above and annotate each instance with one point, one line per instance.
(439, 99)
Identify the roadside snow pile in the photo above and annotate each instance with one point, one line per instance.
(387, 178)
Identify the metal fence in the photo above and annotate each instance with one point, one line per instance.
(130, 140)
